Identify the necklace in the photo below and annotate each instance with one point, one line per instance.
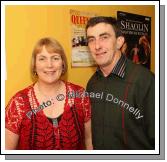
(45, 96)
(56, 96)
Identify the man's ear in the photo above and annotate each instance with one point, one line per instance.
(120, 41)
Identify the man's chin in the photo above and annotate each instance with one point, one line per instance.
(102, 64)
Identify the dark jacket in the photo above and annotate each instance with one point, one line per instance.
(123, 109)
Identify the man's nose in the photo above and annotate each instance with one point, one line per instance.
(97, 44)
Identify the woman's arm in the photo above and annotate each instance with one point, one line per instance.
(88, 135)
(11, 140)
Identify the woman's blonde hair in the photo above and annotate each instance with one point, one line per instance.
(52, 46)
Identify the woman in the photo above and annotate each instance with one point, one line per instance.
(43, 116)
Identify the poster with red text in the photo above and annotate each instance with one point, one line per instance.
(81, 56)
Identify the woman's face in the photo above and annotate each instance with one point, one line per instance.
(48, 66)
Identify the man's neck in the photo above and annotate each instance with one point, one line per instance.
(106, 70)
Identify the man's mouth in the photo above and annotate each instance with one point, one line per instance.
(100, 54)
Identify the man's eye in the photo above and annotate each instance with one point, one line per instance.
(91, 40)
(104, 37)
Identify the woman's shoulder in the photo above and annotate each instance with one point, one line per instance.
(20, 101)
(21, 94)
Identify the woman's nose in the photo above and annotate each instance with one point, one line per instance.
(49, 63)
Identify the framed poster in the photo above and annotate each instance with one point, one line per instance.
(80, 56)
(137, 32)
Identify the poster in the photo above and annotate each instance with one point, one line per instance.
(137, 32)
(81, 56)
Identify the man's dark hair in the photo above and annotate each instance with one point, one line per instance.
(103, 19)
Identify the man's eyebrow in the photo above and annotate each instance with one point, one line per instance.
(102, 34)
(88, 37)
(108, 34)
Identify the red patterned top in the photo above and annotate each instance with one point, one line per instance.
(35, 130)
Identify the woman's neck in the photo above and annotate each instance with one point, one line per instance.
(49, 89)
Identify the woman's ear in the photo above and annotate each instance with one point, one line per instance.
(120, 42)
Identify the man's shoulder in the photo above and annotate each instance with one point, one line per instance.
(93, 78)
(140, 75)
(91, 81)
(139, 70)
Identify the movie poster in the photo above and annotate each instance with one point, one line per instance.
(81, 56)
(137, 32)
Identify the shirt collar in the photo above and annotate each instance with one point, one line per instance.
(119, 68)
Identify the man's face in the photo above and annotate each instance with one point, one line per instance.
(102, 43)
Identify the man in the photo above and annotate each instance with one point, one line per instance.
(121, 92)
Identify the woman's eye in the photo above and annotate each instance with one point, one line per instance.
(56, 58)
(41, 59)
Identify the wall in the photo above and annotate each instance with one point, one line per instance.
(24, 25)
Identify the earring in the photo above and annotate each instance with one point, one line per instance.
(35, 73)
(63, 70)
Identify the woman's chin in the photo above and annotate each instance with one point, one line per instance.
(49, 81)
